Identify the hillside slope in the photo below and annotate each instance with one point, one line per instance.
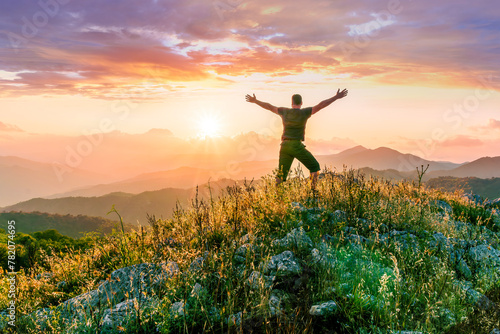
(359, 256)
(486, 188)
(132, 207)
(486, 167)
(71, 226)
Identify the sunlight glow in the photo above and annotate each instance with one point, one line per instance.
(209, 126)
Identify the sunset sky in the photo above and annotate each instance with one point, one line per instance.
(423, 76)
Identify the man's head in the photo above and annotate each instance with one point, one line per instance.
(296, 100)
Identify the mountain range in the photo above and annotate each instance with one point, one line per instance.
(34, 186)
(395, 165)
(382, 158)
(133, 208)
(22, 179)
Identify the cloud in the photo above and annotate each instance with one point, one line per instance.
(9, 128)
(493, 125)
(111, 48)
(488, 130)
(461, 141)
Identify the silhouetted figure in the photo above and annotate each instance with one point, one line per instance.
(294, 126)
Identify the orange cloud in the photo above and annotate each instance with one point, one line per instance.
(462, 141)
(9, 128)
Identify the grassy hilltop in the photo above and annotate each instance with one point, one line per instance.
(360, 256)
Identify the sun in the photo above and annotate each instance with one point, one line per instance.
(209, 125)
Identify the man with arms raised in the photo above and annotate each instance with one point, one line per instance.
(294, 125)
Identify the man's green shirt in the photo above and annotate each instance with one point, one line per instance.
(294, 122)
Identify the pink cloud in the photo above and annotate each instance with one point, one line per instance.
(493, 124)
(110, 44)
(9, 128)
(462, 141)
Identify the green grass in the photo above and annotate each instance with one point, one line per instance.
(378, 286)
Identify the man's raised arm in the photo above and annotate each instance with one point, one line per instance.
(327, 102)
(265, 105)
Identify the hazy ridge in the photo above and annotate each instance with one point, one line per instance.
(86, 194)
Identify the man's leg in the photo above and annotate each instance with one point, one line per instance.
(308, 160)
(285, 162)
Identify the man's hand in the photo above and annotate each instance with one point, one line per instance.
(326, 103)
(341, 94)
(251, 99)
(265, 105)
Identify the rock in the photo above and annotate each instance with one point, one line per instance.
(61, 285)
(297, 239)
(235, 319)
(312, 216)
(239, 260)
(404, 240)
(247, 239)
(197, 264)
(349, 230)
(169, 242)
(396, 233)
(127, 311)
(323, 256)
(441, 243)
(298, 207)
(45, 276)
(485, 259)
(119, 314)
(340, 215)
(383, 228)
(244, 250)
(485, 255)
(493, 203)
(446, 317)
(495, 331)
(479, 300)
(282, 265)
(197, 288)
(178, 309)
(464, 269)
(474, 297)
(329, 238)
(473, 198)
(365, 224)
(323, 309)
(442, 206)
(355, 239)
(256, 280)
(40, 316)
(317, 257)
(124, 284)
(276, 302)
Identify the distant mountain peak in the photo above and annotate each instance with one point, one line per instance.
(353, 150)
(386, 149)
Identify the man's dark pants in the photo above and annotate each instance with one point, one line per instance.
(295, 149)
